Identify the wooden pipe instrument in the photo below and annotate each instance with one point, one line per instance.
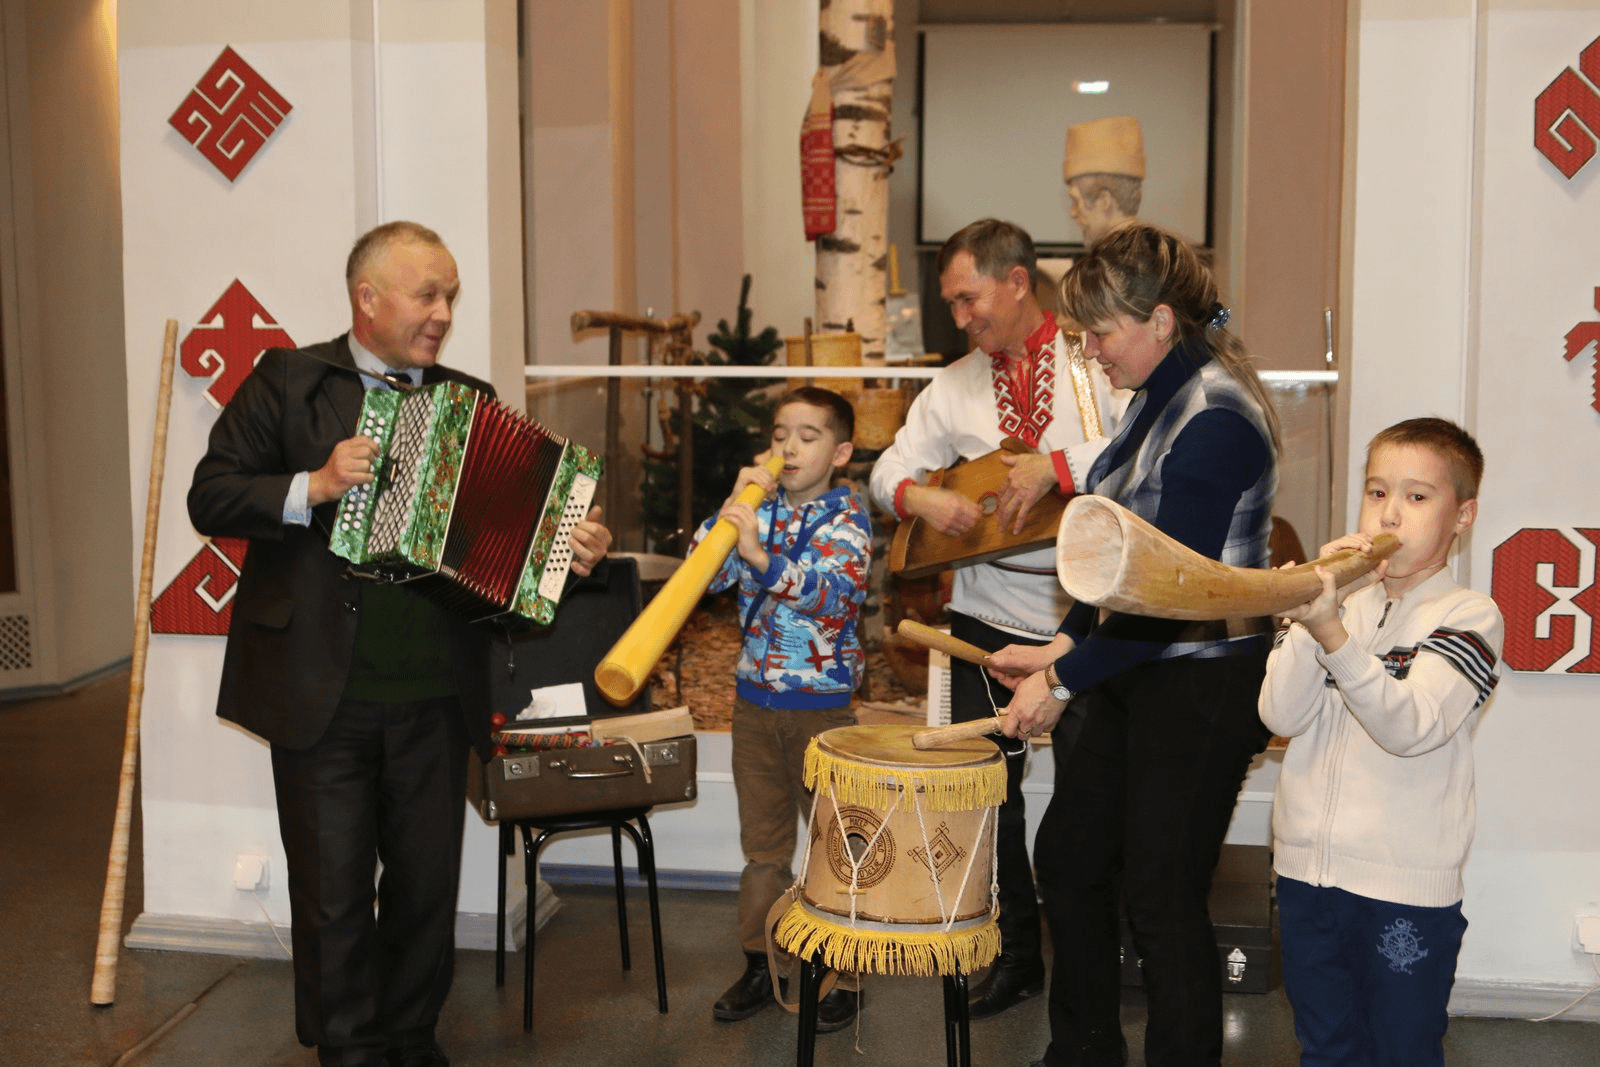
(626, 668)
(1110, 557)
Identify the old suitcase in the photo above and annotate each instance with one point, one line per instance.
(570, 781)
(594, 612)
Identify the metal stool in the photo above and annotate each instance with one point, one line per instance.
(548, 826)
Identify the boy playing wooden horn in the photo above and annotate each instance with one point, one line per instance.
(1374, 809)
(801, 567)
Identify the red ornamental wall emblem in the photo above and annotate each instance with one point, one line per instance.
(200, 599)
(1586, 335)
(1566, 116)
(230, 113)
(1525, 599)
(228, 340)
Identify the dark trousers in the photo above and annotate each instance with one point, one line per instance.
(1141, 805)
(769, 782)
(971, 690)
(385, 783)
(1369, 979)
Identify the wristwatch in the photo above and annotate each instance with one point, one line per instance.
(1057, 690)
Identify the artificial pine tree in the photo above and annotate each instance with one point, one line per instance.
(731, 422)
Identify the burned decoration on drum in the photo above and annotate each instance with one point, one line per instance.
(897, 876)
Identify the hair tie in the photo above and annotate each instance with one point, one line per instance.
(1219, 317)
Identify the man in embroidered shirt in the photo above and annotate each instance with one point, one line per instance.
(1026, 378)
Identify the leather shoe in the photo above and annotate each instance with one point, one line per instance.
(748, 995)
(422, 1054)
(1009, 984)
(1095, 1052)
(838, 1009)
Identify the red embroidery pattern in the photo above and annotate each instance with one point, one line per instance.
(1566, 116)
(200, 599)
(1025, 417)
(228, 340)
(230, 113)
(1516, 588)
(819, 197)
(1579, 338)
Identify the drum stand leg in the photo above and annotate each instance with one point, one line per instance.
(957, 1033)
(811, 975)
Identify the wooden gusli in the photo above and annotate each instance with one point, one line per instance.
(918, 549)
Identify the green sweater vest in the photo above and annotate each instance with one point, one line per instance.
(402, 650)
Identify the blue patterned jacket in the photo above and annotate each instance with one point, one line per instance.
(801, 648)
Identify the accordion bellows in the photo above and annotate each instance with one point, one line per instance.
(471, 501)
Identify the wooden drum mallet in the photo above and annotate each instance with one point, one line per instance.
(939, 736)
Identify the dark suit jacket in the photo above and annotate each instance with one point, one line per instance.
(295, 613)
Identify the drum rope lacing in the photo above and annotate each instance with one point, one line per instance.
(994, 835)
(886, 946)
(947, 915)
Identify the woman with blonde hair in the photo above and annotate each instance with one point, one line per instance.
(1163, 711)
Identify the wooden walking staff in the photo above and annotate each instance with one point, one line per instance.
(102, 989)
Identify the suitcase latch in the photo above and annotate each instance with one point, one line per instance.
(661, 753)
(522, 767)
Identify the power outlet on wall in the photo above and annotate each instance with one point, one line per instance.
(249, 872)
(1588, 933)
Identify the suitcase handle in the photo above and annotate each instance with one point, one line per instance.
(623, 772)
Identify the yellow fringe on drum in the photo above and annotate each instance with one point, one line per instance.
(922, 955)
(880, 788)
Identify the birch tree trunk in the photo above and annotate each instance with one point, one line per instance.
(857, 55)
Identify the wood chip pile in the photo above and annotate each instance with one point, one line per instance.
(697, 669)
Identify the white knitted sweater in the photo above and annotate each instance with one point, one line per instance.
(1376, 795)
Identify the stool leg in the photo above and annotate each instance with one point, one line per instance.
(963, 1006)
(957, 1021)
(507, 848)
(646, 845)
(949, 1022)
(811, 975)
(622, 900)
(530, 850)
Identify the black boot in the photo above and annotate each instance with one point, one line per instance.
(1010, 982)
(751, 993)
(1106, 1050)
(837, 1010)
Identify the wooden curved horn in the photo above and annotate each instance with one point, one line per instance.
(1110, 557)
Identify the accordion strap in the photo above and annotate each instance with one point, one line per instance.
(399, 383)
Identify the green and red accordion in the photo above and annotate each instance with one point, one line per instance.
(471, 502)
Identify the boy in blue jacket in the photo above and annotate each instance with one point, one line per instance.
(801, 565)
